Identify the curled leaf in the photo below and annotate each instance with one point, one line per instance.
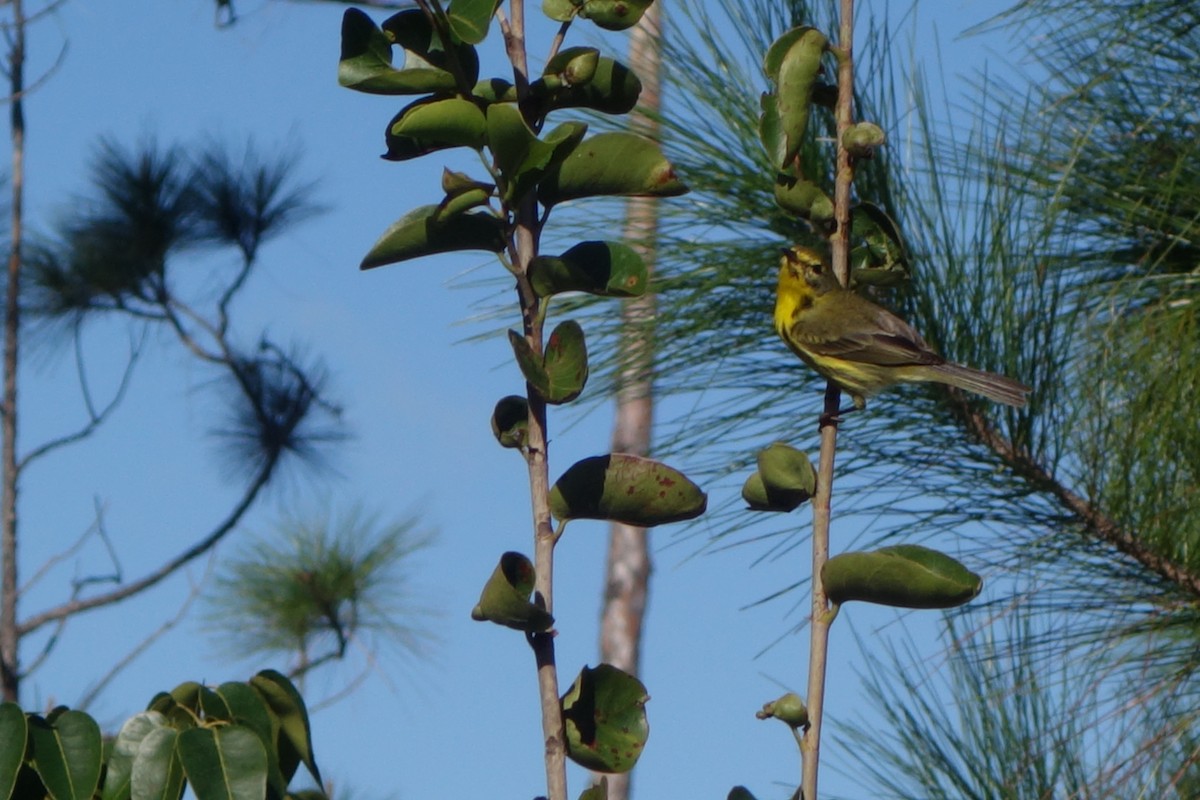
(505, 597)
(510, 421)
(426, 230)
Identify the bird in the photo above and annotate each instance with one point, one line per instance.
(862, 347)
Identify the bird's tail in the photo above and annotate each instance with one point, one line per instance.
(992, 386)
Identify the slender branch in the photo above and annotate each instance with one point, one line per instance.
(822, 616)
(1092, 518)
(96, 528)
(166, 570)
(95, 418)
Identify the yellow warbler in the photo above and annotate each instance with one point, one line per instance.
(860, 346)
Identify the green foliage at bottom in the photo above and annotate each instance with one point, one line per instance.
(233, 742)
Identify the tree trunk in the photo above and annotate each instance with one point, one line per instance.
(628, 566)
(10, 675)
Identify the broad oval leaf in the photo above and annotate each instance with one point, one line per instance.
(469, 19)
(435, 123)
(562, 372)
(612, 164)
(626, 488)
(522, 157)
(67, 754)
(248, 708)
(118, 774)
(906, 575)
(423, 231)
(157, 773)
(295, 732)
(224, 763)
(505, 596)
(604, 718)
(366, 62)
(14, 729)
(606, 269)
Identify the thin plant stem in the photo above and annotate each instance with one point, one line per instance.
(822, 615)
(525, 244)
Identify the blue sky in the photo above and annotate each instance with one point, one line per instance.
(464, 722)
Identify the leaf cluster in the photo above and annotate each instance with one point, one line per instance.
(236, 740)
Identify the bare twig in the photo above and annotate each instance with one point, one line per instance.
(102, 683)
(167, 569)
(96, 418)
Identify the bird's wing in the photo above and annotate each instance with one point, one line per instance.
(873, 336)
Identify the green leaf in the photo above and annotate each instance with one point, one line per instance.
(560, 10)
(626, 488)
(785, 478)
(366, 62)
(878, 256)
(187, 694)
(288, 706)
(248, 708)
(573, 66)
(469, 19)
(67, 754)
(157, 772)
(118, 775)
(510, 421)
(906, 575)
(862, 139)
(224, 763)
(432, 124)
(604, 717)
(789, 709)
(522, 157)
(505, 597)
(606, 269)
(424, 232)
(803, 198)
(424, 48)
(597, 791)
(792, 62)
(614, 15)
(13, 734)
(612, 88)
(739, 793)
(611, 164)
(562, 372)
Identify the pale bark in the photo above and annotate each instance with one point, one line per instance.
(628, 565)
